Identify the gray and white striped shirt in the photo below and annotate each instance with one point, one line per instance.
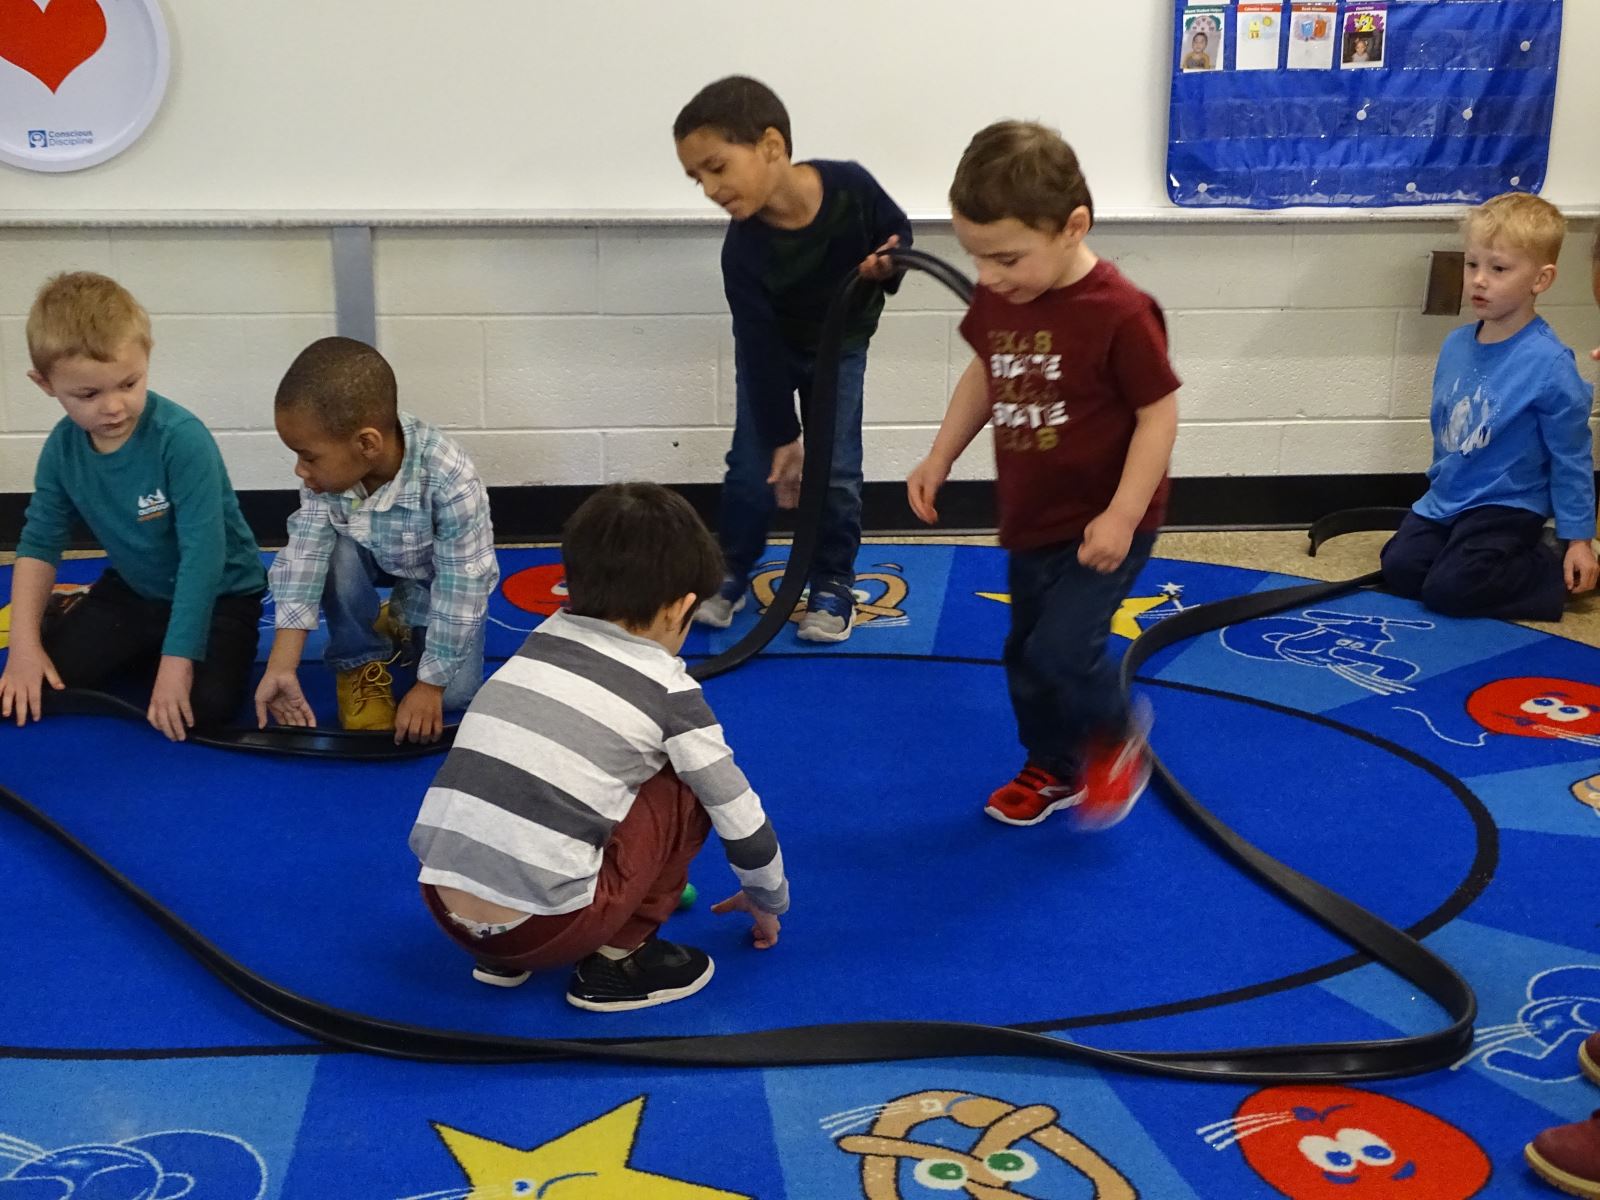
(551, 756)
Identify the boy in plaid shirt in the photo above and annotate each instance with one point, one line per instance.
(388, 501)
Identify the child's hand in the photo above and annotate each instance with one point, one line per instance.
(878, 265)
(169, 709)
(279, 693)
(21, 684)
(922, 485)
(787, 464)
(1105, 542)
(1580, 567)
(765, 930)
(420, 717)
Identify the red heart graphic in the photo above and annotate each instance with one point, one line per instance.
(52, 43)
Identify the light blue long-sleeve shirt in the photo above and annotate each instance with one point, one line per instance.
(429, 527)
(1511, 427)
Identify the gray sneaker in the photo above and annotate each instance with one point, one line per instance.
(718, 611)
(829, 618)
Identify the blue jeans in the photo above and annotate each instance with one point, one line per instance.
(1064, 687)
(350, 602)
(747, 498)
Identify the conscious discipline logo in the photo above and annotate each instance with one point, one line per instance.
(80, 80)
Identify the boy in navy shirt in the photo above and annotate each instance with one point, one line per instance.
(1511, 441)
(798, 229)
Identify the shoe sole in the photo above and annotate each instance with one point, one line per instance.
(701, 619)
(1587, 1064)
(817, 635)
(501, 981)
(1559, 1179)
(650, 1001)
(1064, 802)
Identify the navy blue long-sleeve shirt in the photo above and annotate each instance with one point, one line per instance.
(779, 283)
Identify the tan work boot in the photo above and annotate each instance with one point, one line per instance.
(366, 697)
(390, 625)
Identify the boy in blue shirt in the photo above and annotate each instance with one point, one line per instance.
(798, 229)
(183, 591)
(1511, 441)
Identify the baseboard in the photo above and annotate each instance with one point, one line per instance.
(536, 514)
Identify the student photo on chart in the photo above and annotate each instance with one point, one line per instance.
(1363, 44)
(1202, 39)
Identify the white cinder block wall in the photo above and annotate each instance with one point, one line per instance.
(579, 355)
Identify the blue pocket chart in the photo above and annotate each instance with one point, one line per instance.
(1359, 104)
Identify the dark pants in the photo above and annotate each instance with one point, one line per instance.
(1488, 562)
(1064, 687)
(748, 503)
(113, 631)
(642, 873)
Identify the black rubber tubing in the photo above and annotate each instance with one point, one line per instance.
(1352, 520)
(882, 1041)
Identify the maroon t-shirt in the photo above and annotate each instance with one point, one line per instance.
(1066, 374)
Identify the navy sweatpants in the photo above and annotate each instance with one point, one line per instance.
(1488, 562)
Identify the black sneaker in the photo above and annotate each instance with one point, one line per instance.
(506, 977)
(658, 972)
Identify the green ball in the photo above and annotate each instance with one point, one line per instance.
(690, 895)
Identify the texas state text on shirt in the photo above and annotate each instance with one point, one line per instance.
(1067, 374)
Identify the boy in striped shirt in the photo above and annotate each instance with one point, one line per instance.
(588, 771)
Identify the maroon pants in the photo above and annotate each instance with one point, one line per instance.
(642, 874)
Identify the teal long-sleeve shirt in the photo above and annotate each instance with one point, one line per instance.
(162, 507)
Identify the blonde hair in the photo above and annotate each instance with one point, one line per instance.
(83, 315)
(1521, 221)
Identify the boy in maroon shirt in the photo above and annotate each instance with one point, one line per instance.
(1072, 372)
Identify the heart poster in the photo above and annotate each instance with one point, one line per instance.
(80, 80)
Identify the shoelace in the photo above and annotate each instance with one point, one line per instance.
(371, 684)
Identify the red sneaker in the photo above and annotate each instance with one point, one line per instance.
(1031, 797)
(1115, 775)
(1568, 1157)
(1589, 1056)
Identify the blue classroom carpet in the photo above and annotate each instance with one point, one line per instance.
(1435, 771)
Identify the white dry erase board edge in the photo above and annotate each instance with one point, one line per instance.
(529, 112)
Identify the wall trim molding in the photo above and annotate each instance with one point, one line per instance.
(536, 513)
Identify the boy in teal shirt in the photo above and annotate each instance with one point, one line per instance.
(183, 592)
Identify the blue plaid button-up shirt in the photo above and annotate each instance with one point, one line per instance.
(428, 527)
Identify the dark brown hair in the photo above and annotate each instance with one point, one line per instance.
(1020, 169)
(631, 549)
(741, 109)
(344, 384)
